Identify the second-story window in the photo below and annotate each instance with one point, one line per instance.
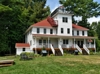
(68, 31)
(62, 30)
(83, 33)
(38, 30)
(51, 31)
(64, 19)
(77, 32)
(44, 31)
(72, 32)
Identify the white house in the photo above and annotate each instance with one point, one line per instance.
(57, 32)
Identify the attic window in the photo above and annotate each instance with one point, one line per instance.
(64, 19)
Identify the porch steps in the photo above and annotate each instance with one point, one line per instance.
(58, 52)
(84, 51)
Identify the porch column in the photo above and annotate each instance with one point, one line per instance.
(74, 43)
(35, 46)
(48, 42)
(94, 46)
(84, 41)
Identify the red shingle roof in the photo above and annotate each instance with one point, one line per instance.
(79, 27)
(43, 23)
(22, 45)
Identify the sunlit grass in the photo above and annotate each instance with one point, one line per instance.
(69, 64)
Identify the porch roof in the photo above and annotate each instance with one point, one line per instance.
(61, 36)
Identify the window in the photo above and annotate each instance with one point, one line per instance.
(23, 49)
(40, 42)
(44, 31)
(82, 32)
(64, 19)
(77, 32)
(61, 30)
(38, 30)
(73, 32)
(44, 41)
(65, 41)
(68, 31)
(51, 31)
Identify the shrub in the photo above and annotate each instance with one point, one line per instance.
(36, 55)
(26, 55)
(52, 55)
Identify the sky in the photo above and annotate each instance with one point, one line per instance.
(53, 4)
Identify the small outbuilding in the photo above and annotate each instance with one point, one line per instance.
(22, 47)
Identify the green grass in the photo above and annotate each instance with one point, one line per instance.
(69, 64)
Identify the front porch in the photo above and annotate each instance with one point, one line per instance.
(64, 43)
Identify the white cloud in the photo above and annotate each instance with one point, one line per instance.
(94, 19)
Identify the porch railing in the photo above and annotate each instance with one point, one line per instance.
(90, 45)
(78, 48)
(53, 51)
(86, 49)
(65, 46)
(61, 49)
(40, 46)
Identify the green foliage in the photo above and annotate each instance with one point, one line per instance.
(15, 17)
(84, 8)
(43, 48)
(26, 55)
(71, 64)
(36, 55)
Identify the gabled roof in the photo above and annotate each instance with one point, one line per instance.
(50, 23)
(22, 45)
(78, 27)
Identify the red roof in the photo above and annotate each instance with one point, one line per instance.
(22, 45)
(79, 27)
(45, 23)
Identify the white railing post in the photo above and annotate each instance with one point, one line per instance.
(61, 49)
(79, 49)
(52, 49)
(86, 49)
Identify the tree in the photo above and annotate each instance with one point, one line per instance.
(82, 8)
(98, 30)
(16, 17)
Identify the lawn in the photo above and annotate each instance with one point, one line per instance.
(69, 64)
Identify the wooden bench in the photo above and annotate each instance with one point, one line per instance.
(6, 63)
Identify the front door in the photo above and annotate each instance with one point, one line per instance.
(80, 43)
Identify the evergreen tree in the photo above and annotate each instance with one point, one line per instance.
(15, 17)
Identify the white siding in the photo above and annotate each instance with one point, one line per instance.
(80, 32)
(64, 25)
(34, 30)
(20, 50)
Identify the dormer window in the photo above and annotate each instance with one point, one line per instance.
(38, 30)
(64, 19)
